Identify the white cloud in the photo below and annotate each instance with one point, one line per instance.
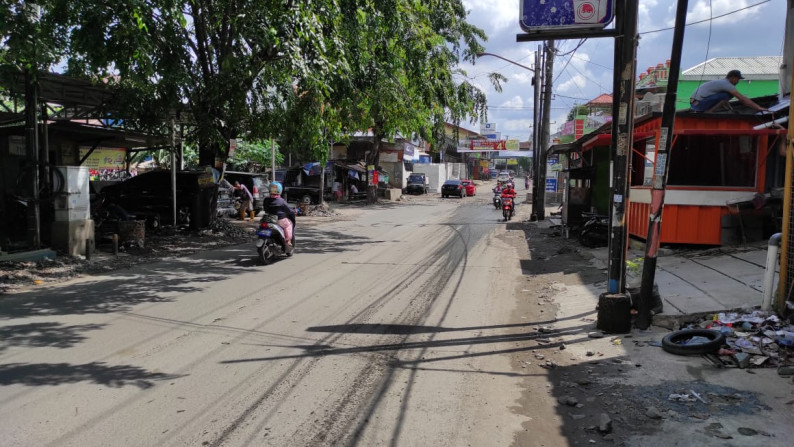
(705, 9)
(492, 14)
(516, 101)
(573, 85)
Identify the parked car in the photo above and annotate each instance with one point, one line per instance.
(147, 196)
(453, 188)
(256, 182)
(417, 184)
(469, 187)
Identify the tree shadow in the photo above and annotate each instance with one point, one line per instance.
(114, 376)
(49, 334)
(317, 241)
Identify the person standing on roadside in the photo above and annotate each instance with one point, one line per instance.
(245, 200)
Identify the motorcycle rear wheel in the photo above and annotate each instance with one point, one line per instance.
(266, 255)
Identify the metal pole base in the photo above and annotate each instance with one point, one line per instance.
(614, 313)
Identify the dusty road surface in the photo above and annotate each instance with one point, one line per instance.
(398, 327)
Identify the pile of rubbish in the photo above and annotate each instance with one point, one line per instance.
(754, 339)
(315, 211)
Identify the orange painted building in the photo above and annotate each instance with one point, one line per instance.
(721, 173)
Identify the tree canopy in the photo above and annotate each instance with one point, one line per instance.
(301, 72)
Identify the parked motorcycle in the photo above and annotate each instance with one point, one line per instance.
(497, 200)
(507, 208)
(271, 241)
(595, 230)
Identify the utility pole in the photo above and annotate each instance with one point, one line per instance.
(548, 66)
(659, 183)
(614, 306)
(536, 138)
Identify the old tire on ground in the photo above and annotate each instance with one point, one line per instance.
(672, 342)
(307, 199)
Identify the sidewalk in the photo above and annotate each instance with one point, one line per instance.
(697, 281)
(627, 390)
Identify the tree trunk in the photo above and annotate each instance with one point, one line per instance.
(374, 159)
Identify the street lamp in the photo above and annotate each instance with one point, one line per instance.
(536, 191)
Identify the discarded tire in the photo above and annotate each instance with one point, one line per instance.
(674, 343)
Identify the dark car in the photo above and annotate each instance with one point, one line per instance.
(417, 184)
(148, 196)
(453, 188)
(256, 182)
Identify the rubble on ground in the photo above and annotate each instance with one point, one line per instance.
(754, 339)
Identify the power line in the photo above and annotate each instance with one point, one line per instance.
(710, 18)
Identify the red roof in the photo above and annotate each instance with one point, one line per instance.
(603, 98)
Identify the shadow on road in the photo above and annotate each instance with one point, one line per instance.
(114, 376)
(49, 334)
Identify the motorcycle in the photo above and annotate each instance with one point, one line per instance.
(271, 241)
(595, 230)
(497, 200)
(507, 208)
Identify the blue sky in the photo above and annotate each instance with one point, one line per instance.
(747, 28)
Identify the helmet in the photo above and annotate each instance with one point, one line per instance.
(275, 188)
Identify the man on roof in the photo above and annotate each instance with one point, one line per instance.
(714, 95)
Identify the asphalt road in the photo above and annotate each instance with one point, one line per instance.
(384, 330)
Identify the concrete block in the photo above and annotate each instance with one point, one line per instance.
(70, 237)
(392, 194)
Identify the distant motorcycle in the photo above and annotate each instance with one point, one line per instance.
(271, 241)
(507, 208)
(497, 200)
(595, 230)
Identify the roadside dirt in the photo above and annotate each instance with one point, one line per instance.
(166, 243)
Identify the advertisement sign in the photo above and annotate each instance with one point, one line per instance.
(537, 15)
(103, 157)
(484, 145)
(486, 128)
(511, 145)
(373, 175)
(16, 145)
(551, 185)
(493, 136)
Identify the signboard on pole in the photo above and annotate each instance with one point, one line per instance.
(551, 185)
(537, 15)
(486, 128)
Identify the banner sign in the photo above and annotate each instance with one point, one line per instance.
(537, 15)
(485, 145)
(103, 157)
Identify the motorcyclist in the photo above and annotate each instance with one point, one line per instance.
(277, 206)
(497, 189)
(509, 192)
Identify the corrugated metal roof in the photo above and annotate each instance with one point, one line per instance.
(759, 68)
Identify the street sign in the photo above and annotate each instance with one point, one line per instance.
(551, 185)
(537, 15)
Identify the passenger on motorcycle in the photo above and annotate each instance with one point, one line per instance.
(277, 206)
(497, 189)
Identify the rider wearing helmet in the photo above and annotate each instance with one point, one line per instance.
(277, 206)
(509, 192)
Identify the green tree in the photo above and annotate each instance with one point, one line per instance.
(253, 155)
(576, 111)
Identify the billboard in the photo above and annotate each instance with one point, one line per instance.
(537, 15)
